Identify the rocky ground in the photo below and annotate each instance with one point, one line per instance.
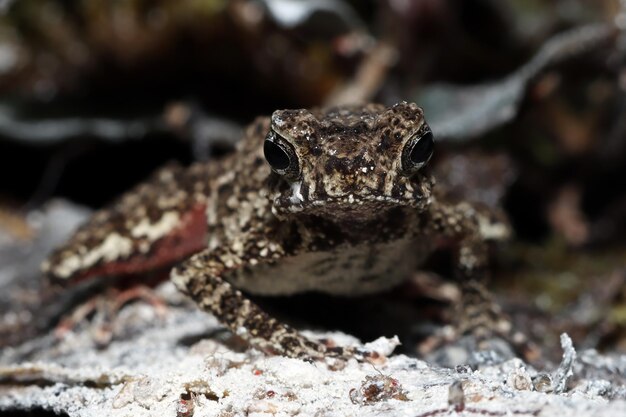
(185, 364)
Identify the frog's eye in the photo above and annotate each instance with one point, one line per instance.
(281, 156)
(417, 151)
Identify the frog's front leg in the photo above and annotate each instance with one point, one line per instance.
(470, 229)
(479, 313)
(202, 277)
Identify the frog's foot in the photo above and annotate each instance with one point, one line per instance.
(480, 327)
(105, 308)
(357, 353)
(480, 317)
(287, 341)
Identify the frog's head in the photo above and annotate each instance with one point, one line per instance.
(349, 161)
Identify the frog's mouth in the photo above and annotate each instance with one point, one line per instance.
(344, 207)
(349, 201)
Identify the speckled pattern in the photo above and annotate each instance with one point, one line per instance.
(348, 216)
(153, 225)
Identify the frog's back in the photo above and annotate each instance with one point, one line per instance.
(162, 220)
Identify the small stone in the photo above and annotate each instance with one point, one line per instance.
(520, 380)
(542, 383)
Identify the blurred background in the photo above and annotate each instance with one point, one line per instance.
(527, 100)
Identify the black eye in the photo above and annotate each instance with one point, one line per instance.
(276, 156)
(418, 151)
(281, 156)
(423, 149)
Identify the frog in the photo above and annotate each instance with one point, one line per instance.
(337, 200)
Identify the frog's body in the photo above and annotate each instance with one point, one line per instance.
(350, 270)
(342, 207)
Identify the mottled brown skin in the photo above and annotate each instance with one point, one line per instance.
(350, 217)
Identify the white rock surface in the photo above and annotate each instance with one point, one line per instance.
(152, 362)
